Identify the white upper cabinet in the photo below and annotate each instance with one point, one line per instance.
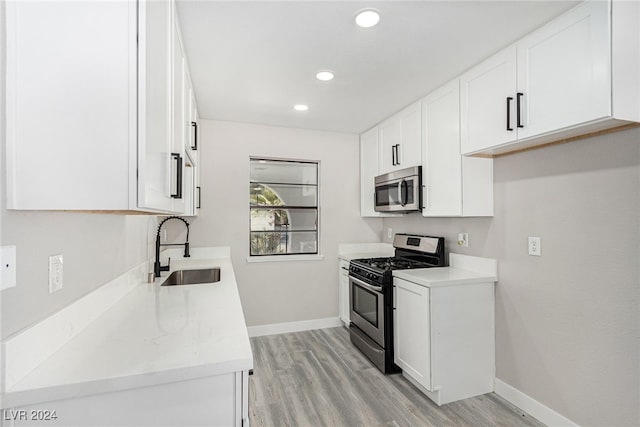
(453, 185)
(564, 71)
(576, 75)
(158, 168)
(400, 140)
(487, 94)
(191, 142)
(369, 169)
(90, 106)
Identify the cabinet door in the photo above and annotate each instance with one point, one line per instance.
(343, 301)
(485, 92)
(158, 170)
(190, 190)
(180, 111)
(411, 331)
(400, 140)
(192, 121)
(389, 146)
(441, 159)
(410, 151)
(564, 74)
(70, 105)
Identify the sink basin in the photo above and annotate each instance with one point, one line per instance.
(192, 277)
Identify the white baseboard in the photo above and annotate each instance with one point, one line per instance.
(531, 406)
(303, 325)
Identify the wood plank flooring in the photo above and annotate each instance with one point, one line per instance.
(317, 378)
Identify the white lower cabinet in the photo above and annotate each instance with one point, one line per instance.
(220, 400)
(343, 292)
(444, 338)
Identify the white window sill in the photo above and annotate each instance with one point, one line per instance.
(279, 258)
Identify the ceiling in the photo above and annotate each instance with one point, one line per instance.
(252, 61)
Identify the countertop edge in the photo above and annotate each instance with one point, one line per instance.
(421, 277)
(116, 384)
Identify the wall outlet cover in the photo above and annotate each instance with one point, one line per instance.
(534, 246)
(55, 273)
(8, 267)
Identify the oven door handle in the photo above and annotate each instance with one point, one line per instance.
(372, 288)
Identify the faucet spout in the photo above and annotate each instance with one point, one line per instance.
(157, 267)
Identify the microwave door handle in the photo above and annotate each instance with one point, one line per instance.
(402, 190)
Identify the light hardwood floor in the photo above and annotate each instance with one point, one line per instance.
(317, 378)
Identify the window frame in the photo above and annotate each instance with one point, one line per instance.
(297, 256)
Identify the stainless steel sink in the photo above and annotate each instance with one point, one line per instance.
(192, 277)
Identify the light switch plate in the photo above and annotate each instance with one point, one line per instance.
(8, 267)
(55, 273)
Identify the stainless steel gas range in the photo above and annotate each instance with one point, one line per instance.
(371, 294)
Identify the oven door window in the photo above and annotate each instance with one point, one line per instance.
(365, 304)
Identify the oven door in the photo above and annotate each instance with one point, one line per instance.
(366, 304)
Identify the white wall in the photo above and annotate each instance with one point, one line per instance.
(277, 292)
(568, 322)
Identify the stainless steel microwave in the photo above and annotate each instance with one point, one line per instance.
(399, 191)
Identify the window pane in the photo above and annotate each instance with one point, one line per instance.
(283, 242)
(284, 219)
(283, 172)
(283, 194)
(283, 200)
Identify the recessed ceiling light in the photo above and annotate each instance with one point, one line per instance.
(367, 18)
(301, 107)
(325, 76)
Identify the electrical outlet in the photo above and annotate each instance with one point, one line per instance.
(8, 267)
(463, 240)
(534, 246)
(389, 233)
(55, 273)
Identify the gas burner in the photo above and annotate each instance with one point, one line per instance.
(392, 263)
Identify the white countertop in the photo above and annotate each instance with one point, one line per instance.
(462, 270)
(153, 335)
(443, 276)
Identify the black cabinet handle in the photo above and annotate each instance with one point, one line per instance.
(199, 197)
(178, 193)
(397, 154)
(518, 121)
(509, 99)
(195, 135)
(393, 155)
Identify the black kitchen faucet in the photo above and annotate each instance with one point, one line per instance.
(157, 268)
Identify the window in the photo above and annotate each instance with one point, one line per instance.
(283, 200)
